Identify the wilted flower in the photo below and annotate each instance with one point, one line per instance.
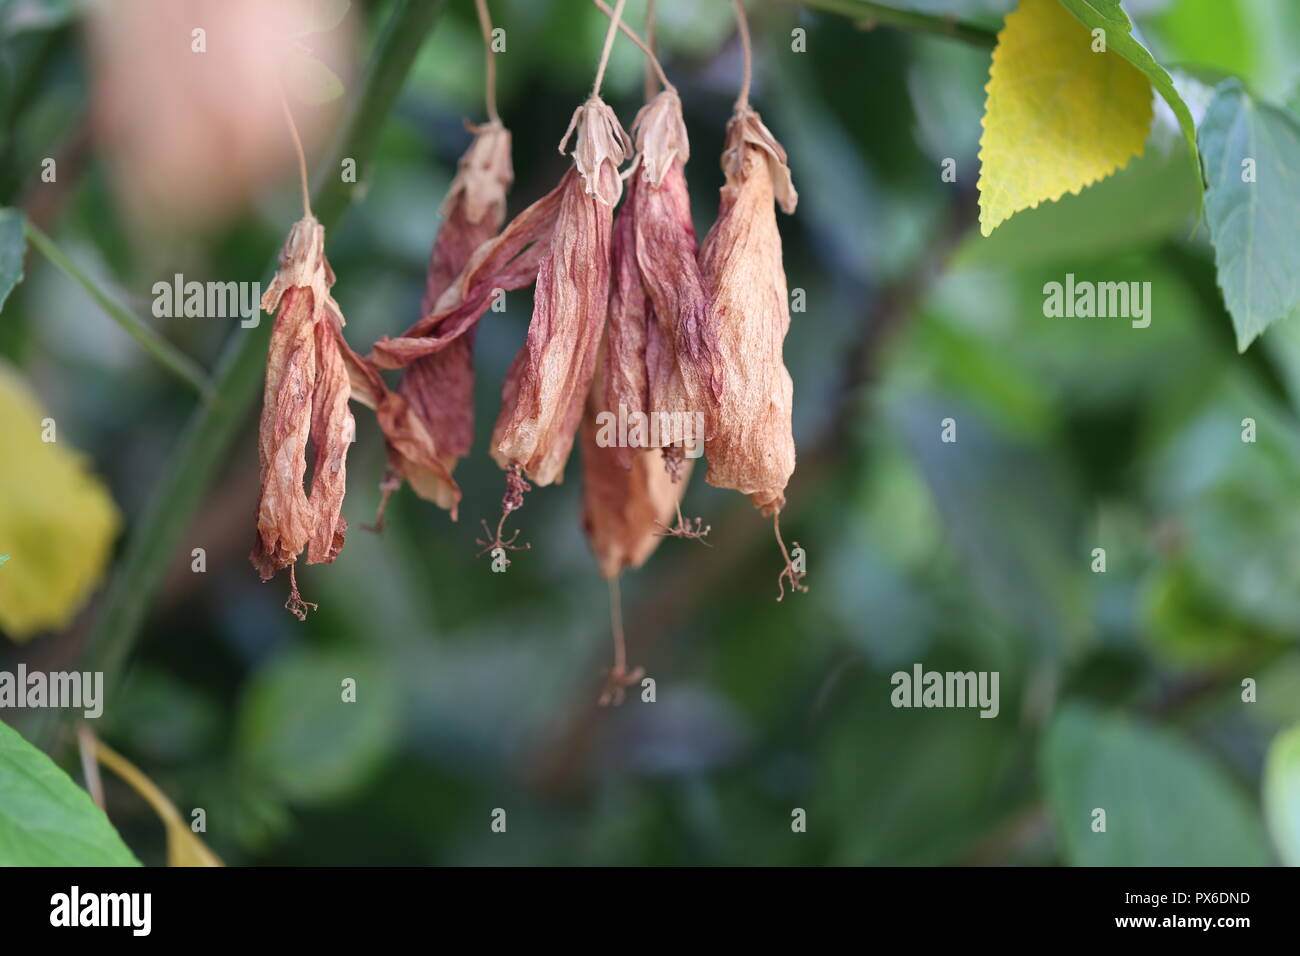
(752, 449)
(548, 381)
(662, 349)
(429, 425)
(306, 399)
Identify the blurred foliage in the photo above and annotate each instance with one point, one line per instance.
(475, 691)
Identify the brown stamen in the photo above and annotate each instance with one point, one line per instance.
(512, 500)
(392, 482)
(674, 459)
(788, 572)
(295, 604)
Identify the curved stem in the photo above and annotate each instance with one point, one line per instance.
(614, 21)
(302, 157)
(490, 77)
(646, 48)
(650, 50)
(742, 25)
(616, 626)
(171, 358)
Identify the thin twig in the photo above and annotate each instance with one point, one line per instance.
(619, 677)
(742, 25)
(646, 48)
(490, 77)
(171, 358)
(302, 157)
(614, 20)
(650, 51)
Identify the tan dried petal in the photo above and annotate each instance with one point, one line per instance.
(285, 519)
(746, 129)
(661, 137)
(305, 399)
(413, 453)
(602, 147)
(662, 348)
(547, 384)
(509, 261)
(332, 432)
(625, 510)
(753, 447)
(483, 176)
(684, 365)
(624, 381)
(430, 425)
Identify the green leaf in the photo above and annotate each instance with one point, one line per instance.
(1282, 794)
(300, 735)
(45, 818)
(12, 248)
(1166, 803)
(1108, 15)
(310, 81)
(1252, 224)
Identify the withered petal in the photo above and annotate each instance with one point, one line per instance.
(753, 446)
(547, 384)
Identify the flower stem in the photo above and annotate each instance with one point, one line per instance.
(490, 64)
(172, 359)
(742, 27)
(213, 427)
(614, 21)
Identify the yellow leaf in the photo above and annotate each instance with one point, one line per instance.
(57, 520)
(184, 848)
(1058, 116)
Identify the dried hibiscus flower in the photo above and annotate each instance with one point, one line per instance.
(752, 449)
(428, 424)
(305, 400)
(663, 361)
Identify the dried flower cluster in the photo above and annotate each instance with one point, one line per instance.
(628, 314)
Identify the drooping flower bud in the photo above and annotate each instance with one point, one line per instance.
(428, 424)
(547, 384)
(752, 450)
(305, 400)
